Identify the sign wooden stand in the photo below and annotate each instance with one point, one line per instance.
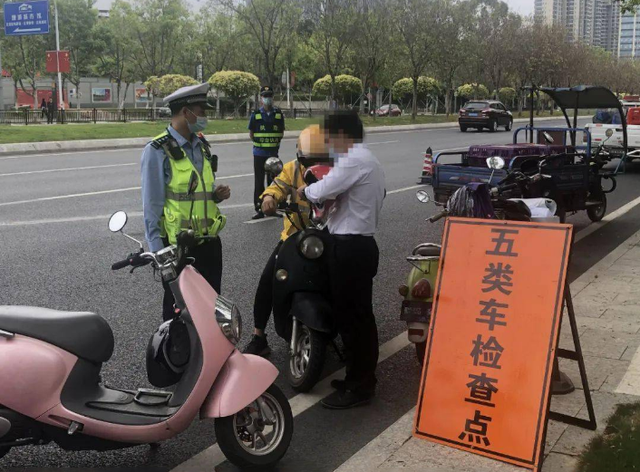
(575, 355)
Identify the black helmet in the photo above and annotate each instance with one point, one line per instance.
(168, 353)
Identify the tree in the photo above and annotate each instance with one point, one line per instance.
(334, 28)
(454, 45)
(628, 6)
(218, 36)
(427, 87)
(158, 30)
(345, 86)
(414, 21)
(507, 94)
(270, 24)
(152, 85)
(236, 85)
(167, 84)
(78, 37)
(475, 91)
(115, 47)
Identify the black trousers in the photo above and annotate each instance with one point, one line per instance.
(208, 261)
(353, 266)
(259, 174)
(263, 304)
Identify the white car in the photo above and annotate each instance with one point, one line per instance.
(615, 144)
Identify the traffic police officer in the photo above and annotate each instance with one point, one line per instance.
(266, 128)
(178, 186)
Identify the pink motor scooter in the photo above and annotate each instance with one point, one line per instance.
(51, 389)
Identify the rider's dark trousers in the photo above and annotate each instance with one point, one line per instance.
(208, 261)
(353, 266)
(263, 303)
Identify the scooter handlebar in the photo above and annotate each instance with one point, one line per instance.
(439, 216)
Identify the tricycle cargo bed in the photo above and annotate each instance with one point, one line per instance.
(477, 155)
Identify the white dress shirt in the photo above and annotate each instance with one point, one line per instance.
(357, 183)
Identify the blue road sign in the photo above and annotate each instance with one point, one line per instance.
(25, 18)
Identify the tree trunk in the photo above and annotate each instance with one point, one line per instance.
(414, 106)
(124, 96)
(333, 92)
(447, 102)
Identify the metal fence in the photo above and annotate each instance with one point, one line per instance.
(125, 115)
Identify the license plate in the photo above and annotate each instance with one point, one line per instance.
(473, 114)
(416, 311)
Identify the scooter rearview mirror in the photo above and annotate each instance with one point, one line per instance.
(273, 166)
(117, 221)
(495, 163)
(423, 196)
(609, 133)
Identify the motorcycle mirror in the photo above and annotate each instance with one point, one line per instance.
(495, 163)
(273, 166)
(609, 133)
(548, 137)
(117, 221)
(423, 196)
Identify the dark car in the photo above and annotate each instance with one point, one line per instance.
(488, 114)
(384, 110)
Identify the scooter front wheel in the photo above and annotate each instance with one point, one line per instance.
(307, 359)
(258, 436)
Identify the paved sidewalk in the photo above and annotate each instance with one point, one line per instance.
(607, 305)
(128, 143)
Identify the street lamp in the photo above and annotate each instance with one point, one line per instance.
(55, 11)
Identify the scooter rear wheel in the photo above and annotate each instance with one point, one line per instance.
(307, 362)
(251, 440)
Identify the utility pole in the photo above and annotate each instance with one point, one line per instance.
(288, 95)
(60, 102)
(1, 81)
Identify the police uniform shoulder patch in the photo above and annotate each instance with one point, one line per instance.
(160, 140)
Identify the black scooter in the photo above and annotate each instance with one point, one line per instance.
(302, 309)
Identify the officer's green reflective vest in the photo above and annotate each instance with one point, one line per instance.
(184, 210)
(268, 134)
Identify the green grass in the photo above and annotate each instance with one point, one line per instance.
(618, 448)
(70, 132)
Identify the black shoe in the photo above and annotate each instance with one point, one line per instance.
(340, 385)
(258, 216)
(277, 215)
(347, 399)
(258, 346)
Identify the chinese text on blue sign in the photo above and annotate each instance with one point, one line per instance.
(25, 18)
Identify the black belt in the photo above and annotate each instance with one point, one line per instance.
(346, 237)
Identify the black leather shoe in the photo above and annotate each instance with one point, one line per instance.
(258, 346)
(348, 399)
(258, 216)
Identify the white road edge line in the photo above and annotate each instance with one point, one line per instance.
(212, 456)
(102, 192)
(593, 227)
(630, 383)
(67, 169)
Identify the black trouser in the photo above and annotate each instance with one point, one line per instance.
(259, 174)
(208, 261)
(353, 267)
(263, 304)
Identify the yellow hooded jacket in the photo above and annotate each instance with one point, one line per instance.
(284, 187)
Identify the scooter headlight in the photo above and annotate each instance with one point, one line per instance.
(312, 247)
(229, 319)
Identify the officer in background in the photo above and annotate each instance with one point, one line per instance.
(178, 187)
(266, 128)
(311, 150)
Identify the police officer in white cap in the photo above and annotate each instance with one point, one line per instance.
(178, 186)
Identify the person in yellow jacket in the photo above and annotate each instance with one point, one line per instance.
(311, 149)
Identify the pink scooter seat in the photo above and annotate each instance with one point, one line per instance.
(84, 334)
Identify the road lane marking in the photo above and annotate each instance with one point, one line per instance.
(102, 192)
(413, 187)
(67, 169)
(593, 227)
(262, 220)
(383, 142)
(213, 457)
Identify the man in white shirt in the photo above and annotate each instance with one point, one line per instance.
(356, 182)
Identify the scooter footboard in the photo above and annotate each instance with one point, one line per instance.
(243, 378)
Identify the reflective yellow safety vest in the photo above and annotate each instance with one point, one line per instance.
(183, 209)
(268, 134)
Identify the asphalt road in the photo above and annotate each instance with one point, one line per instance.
(56, 251)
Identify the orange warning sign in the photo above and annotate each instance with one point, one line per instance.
(493, 335)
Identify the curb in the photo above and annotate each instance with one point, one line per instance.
(104, 144)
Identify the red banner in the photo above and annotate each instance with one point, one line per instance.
(55, 58)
